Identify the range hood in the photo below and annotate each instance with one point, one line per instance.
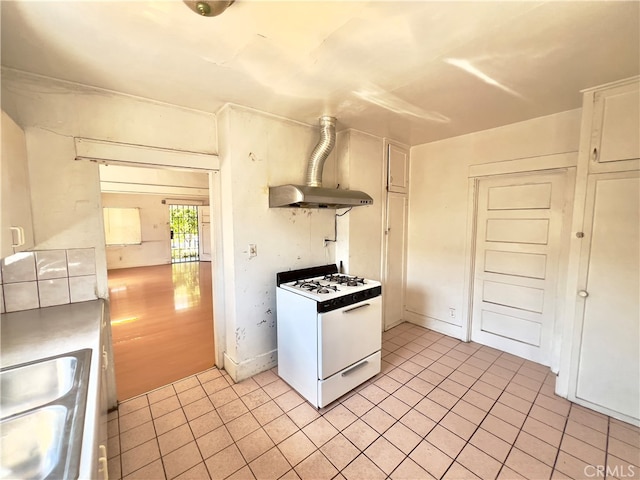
(312, 194)
(316, 197)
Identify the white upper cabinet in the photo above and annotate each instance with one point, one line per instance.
(16, 220)
(615, 128)
(398, 168)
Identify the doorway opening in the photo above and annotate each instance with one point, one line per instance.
(185, 235)
(160, 282)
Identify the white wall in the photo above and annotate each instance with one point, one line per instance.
(65, 193)
(258, 151)
(438, 207)
(361, 167)
(155, 248)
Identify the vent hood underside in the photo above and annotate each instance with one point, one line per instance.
(316, 197)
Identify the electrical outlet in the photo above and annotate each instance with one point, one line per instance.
(253, 250)
(452, 312)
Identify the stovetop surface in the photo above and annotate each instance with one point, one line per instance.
(327, 287)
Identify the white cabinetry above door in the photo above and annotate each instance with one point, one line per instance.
(615, 129)
(398, 168)
(16, 221)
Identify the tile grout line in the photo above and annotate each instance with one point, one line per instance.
(523, 368)
(564, 432)
(513, 444)
(503, 389)
(153, 424)
(424, 438)
(261, 427)
(119, 443)
(379, 435)
(468, 441)
(606, 449)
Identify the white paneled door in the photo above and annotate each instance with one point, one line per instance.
(517, 252)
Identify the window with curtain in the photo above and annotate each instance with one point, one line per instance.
(122, 226)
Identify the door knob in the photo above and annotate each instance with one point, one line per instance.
(583, 293)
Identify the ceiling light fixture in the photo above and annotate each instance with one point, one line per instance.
(210, 8)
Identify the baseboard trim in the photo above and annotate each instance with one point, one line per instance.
(435, 324)
(253, 366)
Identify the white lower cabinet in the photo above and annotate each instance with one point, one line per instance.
(103, 435)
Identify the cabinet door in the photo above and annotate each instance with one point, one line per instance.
(398, 169)
(395, 259)
(615, 132)
(103, 435)
(16, 221)
(608, 374)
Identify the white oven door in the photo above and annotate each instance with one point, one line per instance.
(348, 335)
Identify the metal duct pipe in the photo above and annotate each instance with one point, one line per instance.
(321, 151)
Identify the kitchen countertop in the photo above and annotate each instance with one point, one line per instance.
(34, 334)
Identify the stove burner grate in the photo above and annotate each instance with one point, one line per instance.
(328, 289)
(345, 280)
(315, 286)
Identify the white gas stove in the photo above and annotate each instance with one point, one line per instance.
(329, 331)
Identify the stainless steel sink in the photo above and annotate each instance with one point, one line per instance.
(42, 407)
(31, 444)
(31, 385)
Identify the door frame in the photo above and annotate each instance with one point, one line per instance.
(106, 152)
(557, 163)
(201, 236)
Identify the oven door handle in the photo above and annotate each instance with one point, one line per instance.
(356, 308)
(354, 368)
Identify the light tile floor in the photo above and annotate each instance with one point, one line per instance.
(440, 408)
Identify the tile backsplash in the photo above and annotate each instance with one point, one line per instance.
(46, 278)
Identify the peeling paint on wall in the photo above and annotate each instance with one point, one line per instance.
(265, 146)
(241, 334)
(271, 322)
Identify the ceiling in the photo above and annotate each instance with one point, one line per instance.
(413, 71)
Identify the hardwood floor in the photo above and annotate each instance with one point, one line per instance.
(162, 324)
